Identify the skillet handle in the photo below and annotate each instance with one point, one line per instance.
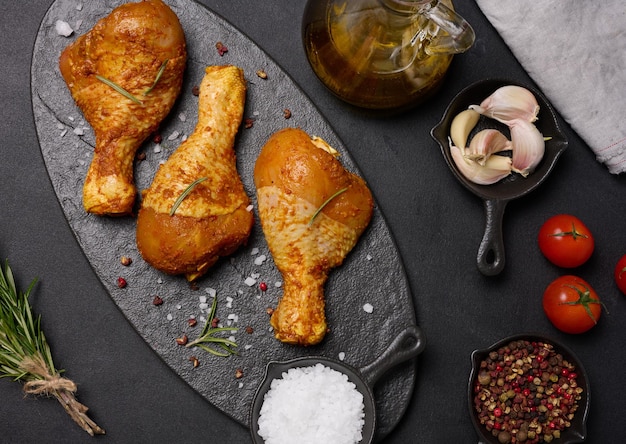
(491, 258)
(408, 344)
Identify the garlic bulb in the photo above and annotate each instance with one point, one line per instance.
(485, 143)
(509, 103)
(495, 167)
(462, 125)
(528, 146)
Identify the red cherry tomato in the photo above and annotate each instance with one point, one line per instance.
(571, 304)
(620, 274)
(565, 241)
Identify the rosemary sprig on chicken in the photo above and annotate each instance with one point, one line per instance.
(25, 354)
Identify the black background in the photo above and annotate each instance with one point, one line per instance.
(436, 223)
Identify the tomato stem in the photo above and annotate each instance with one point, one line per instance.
(574, 233)
(584, 299)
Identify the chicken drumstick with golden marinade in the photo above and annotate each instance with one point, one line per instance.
(295, 178)
(134, 46)
(196, 209)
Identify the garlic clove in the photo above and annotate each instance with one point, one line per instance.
(485, 143)
(509, 103)
(462, 125)
(495, 168)
(528, 146)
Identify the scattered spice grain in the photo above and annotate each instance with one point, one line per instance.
(182, 340)
(221, 48)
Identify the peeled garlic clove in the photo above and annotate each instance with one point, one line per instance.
(509, 103)
(462, 125)
(528, 146)
(485, 143)
(495, 168)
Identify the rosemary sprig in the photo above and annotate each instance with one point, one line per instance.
(319, 210)
(207, 336)
(25, 354)
(185, 193)
(119, 89)
(158, 77)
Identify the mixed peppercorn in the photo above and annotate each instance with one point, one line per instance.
(526, 392)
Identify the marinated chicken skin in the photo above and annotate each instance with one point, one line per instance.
(129, 48)
(294, 178)
(213, 220)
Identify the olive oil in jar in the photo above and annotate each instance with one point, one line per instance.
(373, 53)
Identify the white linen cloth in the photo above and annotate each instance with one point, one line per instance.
(575, 50)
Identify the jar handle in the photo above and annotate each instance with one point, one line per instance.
(458, 36)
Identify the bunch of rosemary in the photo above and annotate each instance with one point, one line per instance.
(25, 354)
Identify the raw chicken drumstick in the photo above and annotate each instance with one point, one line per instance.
(188, 235)
(129, 47)
(294, 178)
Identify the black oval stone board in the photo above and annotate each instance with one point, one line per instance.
(372, 273)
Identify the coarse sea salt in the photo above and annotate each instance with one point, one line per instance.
(63, 28)
(314, 404)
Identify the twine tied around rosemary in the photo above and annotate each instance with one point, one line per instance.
(49, 383)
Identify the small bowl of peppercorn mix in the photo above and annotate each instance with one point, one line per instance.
(528, 389)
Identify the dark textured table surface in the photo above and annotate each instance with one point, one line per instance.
(436, 223)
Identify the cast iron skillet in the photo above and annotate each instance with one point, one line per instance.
(408, 344)
(491, 256)
(577, 432)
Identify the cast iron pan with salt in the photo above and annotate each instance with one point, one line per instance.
(491, 257)
(408, 344)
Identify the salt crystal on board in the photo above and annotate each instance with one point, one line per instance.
(63, 28)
